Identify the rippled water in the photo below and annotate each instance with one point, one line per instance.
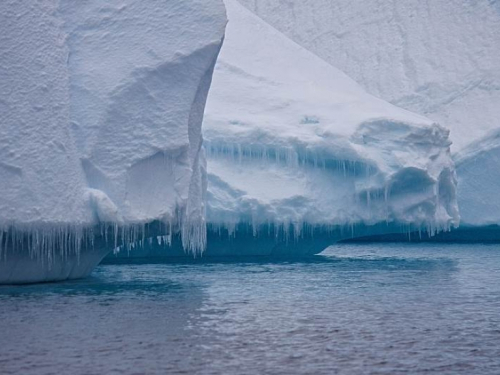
(370, 309)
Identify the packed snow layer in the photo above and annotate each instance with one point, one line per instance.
(440, 59)
(294, 143)
(101, 108)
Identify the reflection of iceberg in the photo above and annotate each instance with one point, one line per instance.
(101, 109)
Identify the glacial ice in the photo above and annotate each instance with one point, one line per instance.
(440, 59)
(293, 143)
(101, 108)
(478, 169)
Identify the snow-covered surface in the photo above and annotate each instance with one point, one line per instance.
(101, 108)
(436, 58)
(40, 177)
(139, 82)
(293, 141)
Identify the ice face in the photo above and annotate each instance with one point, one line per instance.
(146, 87)
(293, 142)
(101, 112)
(479, 181)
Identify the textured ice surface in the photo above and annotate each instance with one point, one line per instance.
(100, 111)
(293, 142)
(438, 58)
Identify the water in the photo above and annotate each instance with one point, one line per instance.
(359, 309)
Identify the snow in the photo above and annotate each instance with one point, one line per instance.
(40, 179)
(293, 142)
(101, 108)
(440, 59)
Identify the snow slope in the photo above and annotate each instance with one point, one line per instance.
(101, 108)
(294, 143)
(440, 59)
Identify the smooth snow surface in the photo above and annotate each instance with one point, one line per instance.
(436, 58)
(293, 142)
(101, 108)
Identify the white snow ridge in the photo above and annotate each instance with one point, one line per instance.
(100, 110)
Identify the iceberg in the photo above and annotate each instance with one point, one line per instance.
(297, 151)
(478, 175)
(101, 107)
(299, 156)
(439, 59)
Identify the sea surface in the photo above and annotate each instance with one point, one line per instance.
(356, 309)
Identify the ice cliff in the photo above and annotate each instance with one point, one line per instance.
(439, 58)
(101, 106)
(293, 144)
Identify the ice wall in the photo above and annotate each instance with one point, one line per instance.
(294, 143)
(478, 169)
(142, 75)
(101, 106)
